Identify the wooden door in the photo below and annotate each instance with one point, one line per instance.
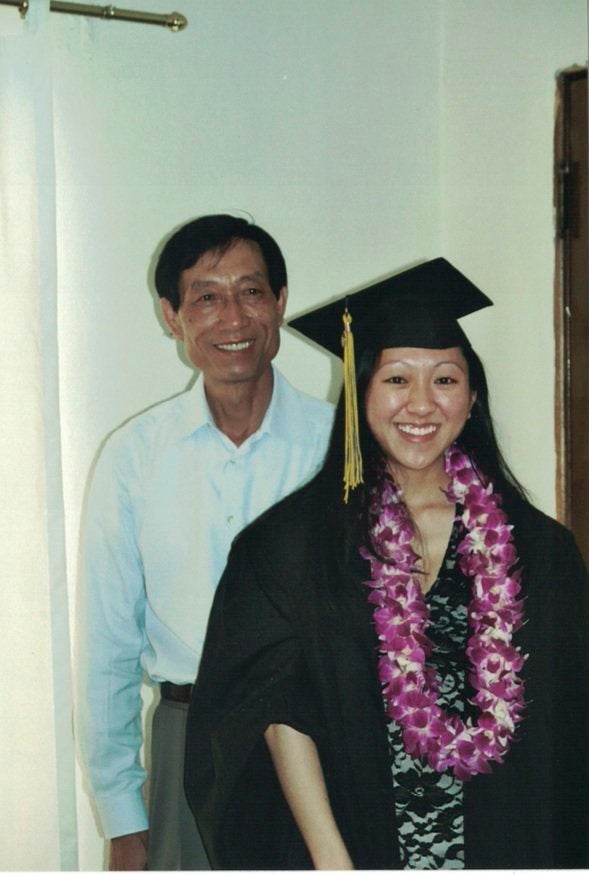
(572, 305)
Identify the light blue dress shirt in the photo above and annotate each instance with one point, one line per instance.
(169, 494)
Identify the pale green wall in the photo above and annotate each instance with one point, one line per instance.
(500, 59)
(327, 120)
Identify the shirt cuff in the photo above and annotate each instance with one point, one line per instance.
(122, 814)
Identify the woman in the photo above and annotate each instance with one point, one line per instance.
(398, 680)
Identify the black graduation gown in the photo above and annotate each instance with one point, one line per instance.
(290, 640)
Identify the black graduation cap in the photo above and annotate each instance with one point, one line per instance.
(418, 307)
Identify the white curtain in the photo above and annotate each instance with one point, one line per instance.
(37, 791)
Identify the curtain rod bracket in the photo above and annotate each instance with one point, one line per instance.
(22, 6)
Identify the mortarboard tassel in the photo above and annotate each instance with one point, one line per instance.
(353, 455)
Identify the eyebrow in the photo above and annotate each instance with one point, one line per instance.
(246, 277)
(437, 365)
(456, 364)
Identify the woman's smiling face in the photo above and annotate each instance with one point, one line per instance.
(417, 403)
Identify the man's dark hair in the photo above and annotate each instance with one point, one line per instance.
(213, 234)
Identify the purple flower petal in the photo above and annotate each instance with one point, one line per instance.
(401, 617)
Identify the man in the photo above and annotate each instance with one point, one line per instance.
(171, 490)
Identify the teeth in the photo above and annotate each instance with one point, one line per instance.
(418, 430)
(235, 347)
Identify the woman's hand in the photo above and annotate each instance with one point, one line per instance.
(299, 771)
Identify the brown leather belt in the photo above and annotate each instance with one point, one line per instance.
(176, 692)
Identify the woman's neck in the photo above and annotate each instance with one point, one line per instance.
(432, 515)
(421, 488)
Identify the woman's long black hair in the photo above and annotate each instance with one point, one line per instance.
(477, 440)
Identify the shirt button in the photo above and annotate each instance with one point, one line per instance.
(230, 518)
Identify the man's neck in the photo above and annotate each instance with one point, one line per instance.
(239, 408)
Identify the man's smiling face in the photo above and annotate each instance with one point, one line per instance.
(229, 318)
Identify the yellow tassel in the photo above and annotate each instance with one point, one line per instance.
(353, 455)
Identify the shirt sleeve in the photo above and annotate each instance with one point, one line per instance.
(252, 674)
(110, 639)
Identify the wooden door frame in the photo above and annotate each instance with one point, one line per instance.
(562, 294)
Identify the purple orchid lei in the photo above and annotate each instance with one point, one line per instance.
(401, 617)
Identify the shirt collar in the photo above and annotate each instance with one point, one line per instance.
(193, 412)
(281, 420)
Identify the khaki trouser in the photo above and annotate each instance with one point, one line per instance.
(174, 840)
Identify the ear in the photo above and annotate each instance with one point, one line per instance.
(171, 319)
(281, 300)
(473, 398)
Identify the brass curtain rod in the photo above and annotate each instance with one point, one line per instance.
(174, 21)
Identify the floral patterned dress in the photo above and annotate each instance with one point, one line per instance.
(428, 804)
